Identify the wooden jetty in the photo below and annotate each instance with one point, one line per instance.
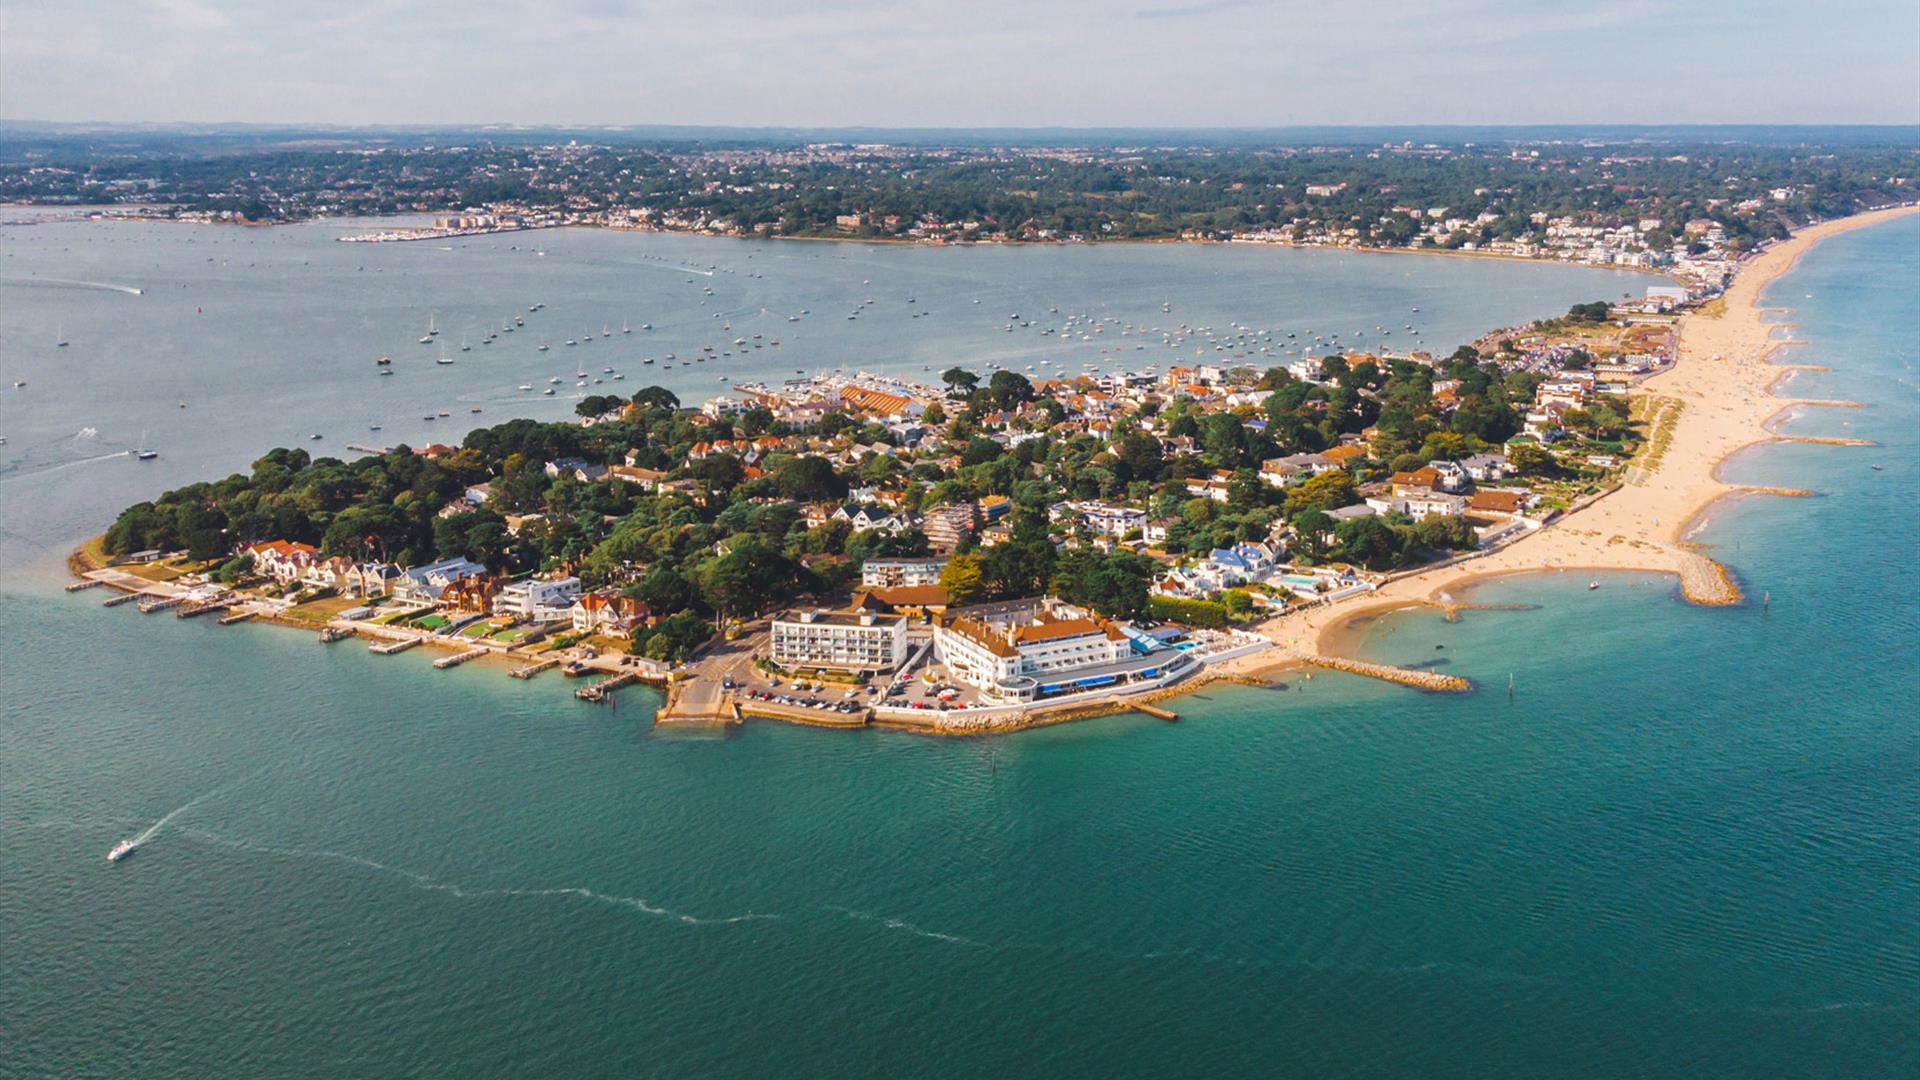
(533, 669)
(159, 603)
(388, 648)
(335, 633)
(88, 583)
(460, 658)
(235, 617)
(1155, 711)
(602, 691)
(189, 611)
(123, 598)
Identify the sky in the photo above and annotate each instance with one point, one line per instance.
(960, 63)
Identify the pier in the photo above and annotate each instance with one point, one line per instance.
(359, 448)
(123, 598)
(602, 691)
(460, 658)
(159, 603)
(1156, 711)
(188, 611)
(531, 670)
(335, 633)
(89, 583)
(388, 648)
(236, 617)
(1419, 680)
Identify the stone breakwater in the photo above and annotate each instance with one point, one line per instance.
(1419, 680)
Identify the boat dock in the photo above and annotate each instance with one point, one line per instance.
(335, 633)
(188, 611)
(1155, 711)
(89, 583)
(123, 598)
(460, 658)
(533, 669)
(236, 617)
(388, 648)
(159, 603)
(602, 691)
(361, 449)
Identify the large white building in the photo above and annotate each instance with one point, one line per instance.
(1043, 651)
(845, 640)
(894, 573)
(541, 601)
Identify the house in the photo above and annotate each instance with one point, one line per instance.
(1484, 468)
(644, 479)
(605, 611)
(1500, 501)
(576, 468)
(1213, 487)
(1114, 521)
(537, 599)
(946, 525)
(428, 582)
(471, 594)
(282, 560)
(842, 640)
(1281, 471)
(371, 579)
(333, 573)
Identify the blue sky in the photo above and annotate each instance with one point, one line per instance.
(958, 64)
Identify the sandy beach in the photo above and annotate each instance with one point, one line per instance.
(1723, 381)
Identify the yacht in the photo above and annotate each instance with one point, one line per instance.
(386, 371)
(624, 328)
(60, 337)
(120, 851)
(141, 452)
(384, 361)
(548, 391)
(373, 427)
(646, 326)
(526, 386)
(543, 346)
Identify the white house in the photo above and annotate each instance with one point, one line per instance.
(844, 640)
(537, 599)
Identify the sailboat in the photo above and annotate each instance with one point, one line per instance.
(142, 453)
(60, 337)
(464, 347)
(624, 328)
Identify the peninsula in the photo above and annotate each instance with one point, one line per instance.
(990, 554)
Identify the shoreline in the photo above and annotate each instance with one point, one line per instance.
(1724, 378)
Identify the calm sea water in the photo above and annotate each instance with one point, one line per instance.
(1685, 848)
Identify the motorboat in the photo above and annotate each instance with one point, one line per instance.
(121, 850)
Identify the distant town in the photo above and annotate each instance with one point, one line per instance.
(1683, 208)
(853, 548)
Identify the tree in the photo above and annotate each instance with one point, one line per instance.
(1530, 459)
(656, 397)
(961, 579)
(1327, 491)
(1009, 388)
(960, 382)
(808, 478)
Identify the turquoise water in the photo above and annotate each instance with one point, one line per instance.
(1685, 848)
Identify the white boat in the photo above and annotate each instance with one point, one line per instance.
(60, 337)
(624, 328)
(120, 850)
(526, 386)
(141, 452)
(548, 391)
(432, 330)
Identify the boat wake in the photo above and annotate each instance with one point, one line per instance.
(68, 283)
(907, 927)
(431, 884)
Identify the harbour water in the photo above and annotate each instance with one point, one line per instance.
(1684, 848)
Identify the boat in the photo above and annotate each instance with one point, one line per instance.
(120, 850)
(543, 347)
(432, 330)
(548, 391)
(526, 386)
(646, 326)
(141, 452)
(373, 427)
(384, 361)
(624, 328)
(1592, 585)
(444, 360)
(315, 435)
(386, 371)
(476, 408)
(60, 337)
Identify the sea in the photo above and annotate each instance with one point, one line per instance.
(1657, 840)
